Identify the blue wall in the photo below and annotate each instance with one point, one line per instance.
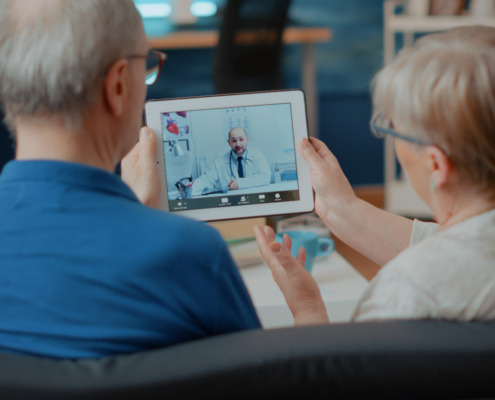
(345, 67)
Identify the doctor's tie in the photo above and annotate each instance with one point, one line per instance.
(240, 170)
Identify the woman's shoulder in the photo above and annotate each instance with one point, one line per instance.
(450, 274)
(447, 257)
(471, 239)
(451, 247)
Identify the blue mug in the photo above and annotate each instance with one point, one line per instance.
(314, 245)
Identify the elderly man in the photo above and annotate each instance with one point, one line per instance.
(239, 168)
(86, 269)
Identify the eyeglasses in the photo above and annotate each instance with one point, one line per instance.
(381, 126)
(154, 62)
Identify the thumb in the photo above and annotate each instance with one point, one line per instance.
(147, 142)
(146, 134)
(312, 157)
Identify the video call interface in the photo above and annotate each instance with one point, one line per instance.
(229, 157)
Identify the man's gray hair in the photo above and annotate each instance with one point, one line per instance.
(54, 53)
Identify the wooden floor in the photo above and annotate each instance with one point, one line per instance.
(367, 268)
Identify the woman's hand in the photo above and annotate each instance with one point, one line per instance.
(300, 290)
(375, 233)
(139, 169)
(333, 191)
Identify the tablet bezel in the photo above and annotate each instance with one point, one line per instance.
(296, 99)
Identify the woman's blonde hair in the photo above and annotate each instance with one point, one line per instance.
(442, 90)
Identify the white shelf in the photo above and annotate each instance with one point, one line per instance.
(400, 197)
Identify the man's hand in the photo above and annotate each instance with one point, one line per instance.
(300, 290)
(233, 185)
(139, 169)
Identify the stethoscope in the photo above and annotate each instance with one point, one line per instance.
(233, 159)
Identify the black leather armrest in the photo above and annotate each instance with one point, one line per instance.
(394, 359)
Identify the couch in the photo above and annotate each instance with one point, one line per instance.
(384, 360)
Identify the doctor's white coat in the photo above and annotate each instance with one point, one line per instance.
(224, 169)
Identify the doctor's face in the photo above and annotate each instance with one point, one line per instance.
(238, 141)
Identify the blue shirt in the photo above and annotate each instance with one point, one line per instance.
(88, 271)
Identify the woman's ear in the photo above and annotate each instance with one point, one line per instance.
(116, 87)
(439, 166)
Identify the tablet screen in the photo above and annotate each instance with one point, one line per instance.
(232, 156)
(229, 156)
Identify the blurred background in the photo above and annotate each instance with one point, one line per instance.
(344, 66)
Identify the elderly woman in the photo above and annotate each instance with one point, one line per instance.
(437, 100)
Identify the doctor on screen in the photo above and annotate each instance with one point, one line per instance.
(239, 168)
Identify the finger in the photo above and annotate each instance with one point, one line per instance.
(301, 256)
(270, 233)
(320, 147)
(260, 235)
(287, 241)
(147, 144)
(314, 160)
(264, 246)
(275, 254)
(316, 153)
(283, 256)
(145, 148)
(263, 242)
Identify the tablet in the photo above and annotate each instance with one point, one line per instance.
(232, 156)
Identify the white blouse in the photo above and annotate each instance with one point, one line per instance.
(444, 275)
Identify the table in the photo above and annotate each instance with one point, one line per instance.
(307, 36)
(340, 284)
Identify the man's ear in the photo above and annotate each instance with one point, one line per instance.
(116, 86)
(439, 166)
